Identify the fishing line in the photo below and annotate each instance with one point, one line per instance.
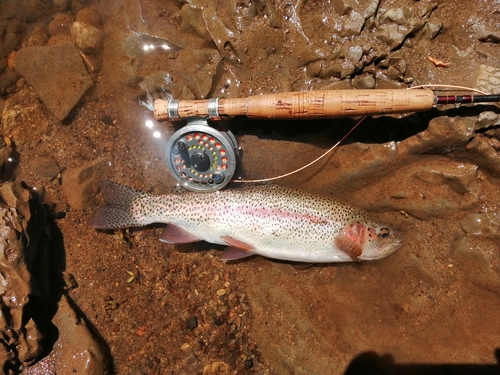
(451, 87)
(307, 165)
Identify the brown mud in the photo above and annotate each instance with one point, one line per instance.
(433, 176)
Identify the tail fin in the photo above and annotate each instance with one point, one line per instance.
(118, 210)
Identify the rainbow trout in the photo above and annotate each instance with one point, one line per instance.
(271, 221)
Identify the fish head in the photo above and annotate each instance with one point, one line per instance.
(378, 241)
(361, 240)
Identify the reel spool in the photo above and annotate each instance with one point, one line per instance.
(202, 158)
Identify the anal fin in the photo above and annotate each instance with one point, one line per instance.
(175, 234)
(237, 243)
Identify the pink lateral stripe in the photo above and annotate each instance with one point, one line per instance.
(264, 212)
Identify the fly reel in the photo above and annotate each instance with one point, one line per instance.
(202, 158)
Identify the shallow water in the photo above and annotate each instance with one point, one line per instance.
(433, 176)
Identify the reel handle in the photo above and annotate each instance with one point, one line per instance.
(300, 105)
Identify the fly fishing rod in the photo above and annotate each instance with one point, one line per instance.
(313, 104)
(203, 158)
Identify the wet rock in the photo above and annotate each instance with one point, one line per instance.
(433, 27)
(443, 133)
(59, 39)
(396, 69)
(81, 184)
(61, 3)
(23, 117)
(8, 78)
(470, 253)
(431, 189)
(75, 351)
(24, 288)
(56, 73)
(192, 20)
(364, 82)
(200, 67)
(340, 6)
(44, 166)
(487, 119)
(313, 69)
(396, 24)
(425, 8)
(331, 70)
(488, 78)
(14, 195)
(484, 152)
(89, 16)
(484, 224)
(462, 178)
(396, 15)
(60, 24)
(383, 83)
(8, 163)
(392, 35)
(221, 34)
(354, 54)
(339, 69)
(353, 24)
(86, 37)
(488, 35)
(371, 9)
(217, 368)
(38, 37)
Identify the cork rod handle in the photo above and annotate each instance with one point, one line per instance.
(301, 105)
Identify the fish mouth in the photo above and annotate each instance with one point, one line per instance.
(381, 249)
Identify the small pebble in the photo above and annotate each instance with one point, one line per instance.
(86, 37)
(248, 363)
(90, 16)
(20, 83)
(44, 166)
(191, 360)
(221, 292)
(192, 323)
(61, 3)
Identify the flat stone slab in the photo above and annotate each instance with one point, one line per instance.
(56, 73)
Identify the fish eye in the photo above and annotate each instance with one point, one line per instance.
(384, 232)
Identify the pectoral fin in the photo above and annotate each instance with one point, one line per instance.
(348, 246)
(237, 243)
(174, 234)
